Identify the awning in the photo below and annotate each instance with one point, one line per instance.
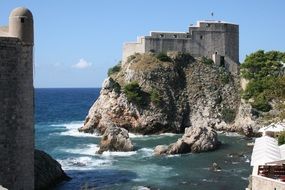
(273, 127)
(282, 151)
(265, 150)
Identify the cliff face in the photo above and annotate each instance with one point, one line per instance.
(173, 94)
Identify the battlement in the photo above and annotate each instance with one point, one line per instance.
(206, 38)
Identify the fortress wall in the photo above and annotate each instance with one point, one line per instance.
(16, 115)
(167, 44)
(132, 48)
(172, 35)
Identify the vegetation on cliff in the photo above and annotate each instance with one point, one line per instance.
(114, 69)
(265, 73)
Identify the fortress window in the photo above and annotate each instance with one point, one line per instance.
(161, 35)
(222, 63)
(201, 37)
(174, 36)
(208, 25)
(22, 20)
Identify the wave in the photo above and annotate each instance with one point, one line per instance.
(210, 180)
(147, 137)
(119, 154)
(84, 163)
(72, 129)
(145, 152)
(133, 135)
(230, 134)
(141, 188)
(147, 170)
(90, 150)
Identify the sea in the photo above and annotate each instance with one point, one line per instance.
(60, 112)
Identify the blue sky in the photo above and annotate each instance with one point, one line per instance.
(77, 41)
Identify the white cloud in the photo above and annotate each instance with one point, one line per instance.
(82, 64)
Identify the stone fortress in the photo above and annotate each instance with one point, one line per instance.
(216, 40)
(17, 101)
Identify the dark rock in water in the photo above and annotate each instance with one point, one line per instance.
(215, 167)
(195, 139)
(115, 139)
(48, 172)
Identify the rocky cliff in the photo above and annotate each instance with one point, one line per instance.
(157, 93)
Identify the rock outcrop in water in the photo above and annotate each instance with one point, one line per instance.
(166, 96)
(48, 172)
(115, 139)
(195, 139)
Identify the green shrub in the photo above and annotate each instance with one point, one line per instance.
(207, 61)
(130, 58)
(134, 93)
(281, 138)
(155, 97)
(163, 57)
(261, 103)
(225, 78)
(115, 69)
(228, 115)
(182, 59)
(115, 85)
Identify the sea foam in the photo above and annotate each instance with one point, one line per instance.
(89, 149)
(85, 163)
(72, 129)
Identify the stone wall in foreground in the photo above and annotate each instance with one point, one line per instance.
(16, 114)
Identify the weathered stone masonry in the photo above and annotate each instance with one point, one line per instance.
(213, 39)
(16, 102)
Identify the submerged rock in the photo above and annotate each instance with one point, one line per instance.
(215, 167)
(115, 139)
(48, 172)
(195, 139)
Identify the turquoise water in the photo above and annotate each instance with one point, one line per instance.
(59, 112)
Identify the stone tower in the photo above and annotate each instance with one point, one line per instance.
(17, 101)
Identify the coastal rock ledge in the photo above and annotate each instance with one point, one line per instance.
(115, 139)
(48, 172)
(195, 139)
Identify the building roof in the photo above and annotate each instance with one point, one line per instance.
(21, 12)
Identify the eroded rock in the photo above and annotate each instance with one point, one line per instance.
(115, 139)
(195, 139)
